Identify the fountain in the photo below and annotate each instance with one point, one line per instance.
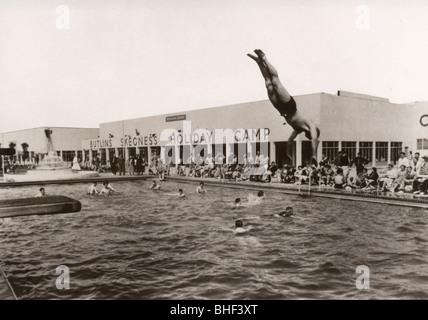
(52, 162)
(52, 168)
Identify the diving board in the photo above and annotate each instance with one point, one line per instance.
(38, 206)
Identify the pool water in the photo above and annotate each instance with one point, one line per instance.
(144, 244)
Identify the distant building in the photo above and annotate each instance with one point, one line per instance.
(65, 141)
(373, 126)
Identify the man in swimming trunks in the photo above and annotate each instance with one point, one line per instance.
(154, 186)
(286, 106)
(287, 213)
(201, 188)
(107, 189)
(92, 190)
(41, 193)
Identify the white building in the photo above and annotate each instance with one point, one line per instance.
(373, 126)
(66, 141)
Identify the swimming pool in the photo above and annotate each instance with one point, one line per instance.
(144, 244)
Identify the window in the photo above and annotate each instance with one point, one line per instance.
(396, 148)
(330, 149)
(381, 153)
(103, 157)
(422, 144)
(68, 156)
(350, 147)
(366, 151)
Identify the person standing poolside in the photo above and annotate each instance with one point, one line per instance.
(359, 162)
(201, 188)
(286, 106)
(114, 163)
(344, 164)
(121, 162)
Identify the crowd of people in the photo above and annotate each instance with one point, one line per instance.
(408, 175)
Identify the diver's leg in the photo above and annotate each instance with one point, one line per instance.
(282, 94)
(268, 81)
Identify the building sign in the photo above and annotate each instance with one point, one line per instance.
(424, 120)
(140, 141)
(236, 136)
(125, 142)
(176, 118)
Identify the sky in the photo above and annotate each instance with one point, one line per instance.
(128, 59)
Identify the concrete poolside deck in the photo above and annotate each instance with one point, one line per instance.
(406, 199)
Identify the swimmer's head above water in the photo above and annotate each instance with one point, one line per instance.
(238, 224)
(260, 194)
(237, 202)
(287, 213)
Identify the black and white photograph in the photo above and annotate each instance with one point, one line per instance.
(225, 152)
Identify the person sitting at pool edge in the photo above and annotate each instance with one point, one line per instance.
(201, 189)
(339, 179)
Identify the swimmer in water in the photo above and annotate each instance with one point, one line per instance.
(92, 190)
(238, 202)
(41, 193)
(287, 213)
(260, 194)
(107, 189)
(201, 188)
(154, 186)
(239, 227)
(181, 193)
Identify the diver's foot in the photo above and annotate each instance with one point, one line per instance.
(260, 54)
(252, 56)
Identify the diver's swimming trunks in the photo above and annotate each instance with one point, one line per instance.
(288, 108)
